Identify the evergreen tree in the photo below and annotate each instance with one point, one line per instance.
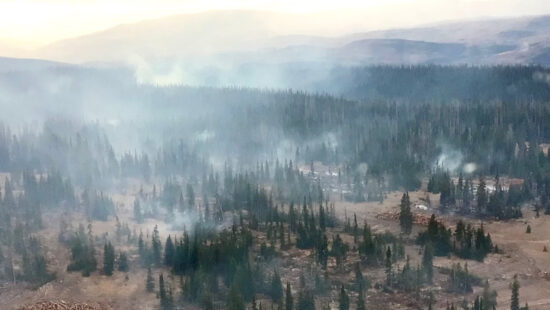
(405, 214)
(150, 282)
(138, 215)
(206, 301)
(235, 301)
(123, 262)
(169, 252)
(343, 301)
(190, 196)
(360, 300)
(289, 302)
(427, 262)
(108, 259)
(276, 288)
(514, 299)
(157, 246)
(164, 297)
(388, 263)
(359, 280)
(481, 196)
(322, 219)
(305, 300)
(489, 297)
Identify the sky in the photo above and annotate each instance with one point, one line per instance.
(31, 23)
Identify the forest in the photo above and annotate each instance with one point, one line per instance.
(214, 195)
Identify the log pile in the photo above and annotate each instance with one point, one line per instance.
(419, 219)
(62, 305)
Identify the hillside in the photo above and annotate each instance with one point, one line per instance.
(221, 38)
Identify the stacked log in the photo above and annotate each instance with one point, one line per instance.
(419, 219)
(62, 305)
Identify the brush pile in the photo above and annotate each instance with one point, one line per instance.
(419, 219)
(63, 305)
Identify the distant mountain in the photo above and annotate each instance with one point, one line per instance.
(504, 41)
(242, 36)
(9, 64)
(187, 35)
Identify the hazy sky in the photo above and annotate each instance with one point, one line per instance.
(35, 22)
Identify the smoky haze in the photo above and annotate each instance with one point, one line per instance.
(217, 155)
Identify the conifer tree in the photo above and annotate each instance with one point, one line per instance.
(427, 262)
(190, 196)
(157, 246)
(359, 280)
(388, 263)
(405, 214)
(481, 196)
(514, 299)
(163, 294)
(123, 262)
(235, 301)
(306, 300)
(169, 252)
(138, 215)
(360, 300)
(289, 302)
(108, 259)
(276, 288)
(343, 301)
(489, 297)
(150, 282)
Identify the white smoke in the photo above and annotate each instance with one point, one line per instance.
(541, 77)
(469, 168)
(449, 159)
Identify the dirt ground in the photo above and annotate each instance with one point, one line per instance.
(522, 255)
(120, 291)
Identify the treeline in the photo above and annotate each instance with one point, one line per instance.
(440, 83)
(469, 197)
(22, 256)
(465, 242)
(396, 142)
(85, 155)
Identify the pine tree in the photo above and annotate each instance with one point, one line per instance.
(235, 301)
(481, 196)
(355, 229)
(388, 263)
(276, 288)
(431, 301)
(322, 220)
(169, 252)
(405, 214)
(108, 259)
(206, 301)
(138, 215)
(289, 302)
(123, 262)
(292, 217)
(190, 196)
(305, 300)
(150, 282)
(157, 246)
(166, 298)
(343, 301)
(489, 297)
(360, 300)
(359, 279)
(514, 300)
(427, 262)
